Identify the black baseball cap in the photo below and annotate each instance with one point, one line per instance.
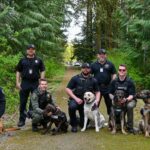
(85, 65)
(102, 51)
(31, 46)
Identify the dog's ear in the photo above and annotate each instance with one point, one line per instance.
(48, 108)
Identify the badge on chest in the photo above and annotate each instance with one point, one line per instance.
(101, 70)
(30, 71)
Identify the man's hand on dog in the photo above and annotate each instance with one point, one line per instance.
(49, 114)
(58, 108)
(79, 101)
(123, 101)
(46, 114)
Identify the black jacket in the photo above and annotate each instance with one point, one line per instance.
(2, 102)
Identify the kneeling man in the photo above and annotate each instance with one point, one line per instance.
(125, 83)
(40, 98)
(77, 86)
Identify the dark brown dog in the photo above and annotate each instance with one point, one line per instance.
(144, 124)
(57, 117)
(118, 112)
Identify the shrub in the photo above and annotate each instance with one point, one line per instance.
(123, 56)
(8, 78)
(54, 68)
(7, 81)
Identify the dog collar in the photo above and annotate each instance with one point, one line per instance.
(56, 110)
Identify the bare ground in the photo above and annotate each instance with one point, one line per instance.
(25, 139)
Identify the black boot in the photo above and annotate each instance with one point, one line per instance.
(34, 127)
(44, 123)
(21, 123)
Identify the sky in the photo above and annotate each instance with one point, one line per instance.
(73, 30)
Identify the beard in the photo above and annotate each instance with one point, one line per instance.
(85, 73)
(102, 60)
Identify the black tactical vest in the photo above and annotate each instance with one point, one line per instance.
(44, 99)
(83, 85)
(122, 85)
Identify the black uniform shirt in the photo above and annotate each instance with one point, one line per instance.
(79, 85)
(30, 68)
(2, 102)
(127, 85)
(103, 72)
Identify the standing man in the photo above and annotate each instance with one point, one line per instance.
(104, 71)
(122, 82)
(77, 86)
(28, 72)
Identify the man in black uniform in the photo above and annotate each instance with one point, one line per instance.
(28, 71)
(2, 102)
(77, 86)
(104, 71)
(122, 82)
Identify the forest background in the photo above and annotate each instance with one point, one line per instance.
(120, 26)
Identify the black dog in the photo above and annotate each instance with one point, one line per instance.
(118, 112)
(56, 117)
(144, 124)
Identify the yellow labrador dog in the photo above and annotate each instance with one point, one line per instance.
(91, 112)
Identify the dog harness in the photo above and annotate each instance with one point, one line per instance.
(84, 85)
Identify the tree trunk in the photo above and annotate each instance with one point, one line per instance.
(98, 28)
(89, 34)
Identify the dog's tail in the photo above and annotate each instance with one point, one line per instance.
(102, 121)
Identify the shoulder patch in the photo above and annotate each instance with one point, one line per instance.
(106, 66)
(34, 95)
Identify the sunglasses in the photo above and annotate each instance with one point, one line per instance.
(123, 70)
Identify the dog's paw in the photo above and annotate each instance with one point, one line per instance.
(83, 129)
(97, 130)
(113, 132)
(147, 134)
(124, 132)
